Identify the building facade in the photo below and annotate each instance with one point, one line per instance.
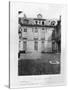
(38, 34)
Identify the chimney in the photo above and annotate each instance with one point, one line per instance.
(59, 18)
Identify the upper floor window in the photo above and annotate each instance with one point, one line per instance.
(39, 22)
(24, 38)
(25, 30)
(36, 30)
(42, 40)
(25, 45)
(25, 21)
(42, 28)
(53, 23)
(39, 16)
(36, 45)
(35, 39)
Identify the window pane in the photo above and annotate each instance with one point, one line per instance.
(36, 22)
(43, 23)
(25, 30)
(24, 45)
(42, 28)
(36, 30)
(36, 45)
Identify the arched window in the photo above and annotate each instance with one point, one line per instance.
(53, 23)
(36, 22)
(42, 22)
(39, 22)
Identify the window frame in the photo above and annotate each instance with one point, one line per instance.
(25, 30)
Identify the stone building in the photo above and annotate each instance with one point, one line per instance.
(38, 34)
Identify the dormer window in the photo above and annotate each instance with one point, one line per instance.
(39, 16)
(42, 22)
(36, 22)
(53, 23)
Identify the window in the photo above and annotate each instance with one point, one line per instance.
(25, 30)
(43, 23)
(43, 47)
(36, 30)
(24, 45)
(26, 21)
(42, 28)
(24, 38)
(53, 23)
(36, 45)
(42, 40)
(36, 22)
(39, 22)
(35, 38)
(19, 29)
(20, 35)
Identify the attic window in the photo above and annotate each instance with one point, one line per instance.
(53, 23)
(36, 22)
(39, 16)
(43, 23)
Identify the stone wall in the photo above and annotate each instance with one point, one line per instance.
(42, 35)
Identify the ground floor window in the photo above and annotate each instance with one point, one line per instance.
(36, 45)
(42, 46)
(25, 45)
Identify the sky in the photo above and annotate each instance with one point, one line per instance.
(50, 11)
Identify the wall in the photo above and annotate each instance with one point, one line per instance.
(42, 33)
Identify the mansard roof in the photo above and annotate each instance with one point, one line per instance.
(35, 21)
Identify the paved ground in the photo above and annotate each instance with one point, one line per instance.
(38, 64)
(41, 56)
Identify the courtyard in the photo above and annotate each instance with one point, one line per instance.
(39, 64)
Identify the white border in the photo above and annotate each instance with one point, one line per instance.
(32, 81)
